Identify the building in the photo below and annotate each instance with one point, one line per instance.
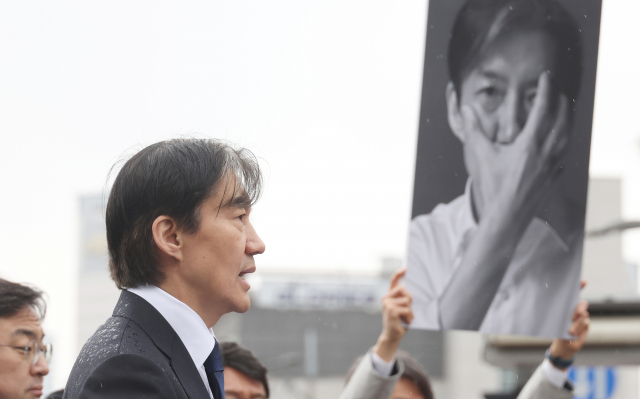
(97, 294)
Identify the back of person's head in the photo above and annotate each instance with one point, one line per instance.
(241, 359)
(413, 371)
(171, 178)
(15, 297)
(481, 23)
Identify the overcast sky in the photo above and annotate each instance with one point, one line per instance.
(325, 93)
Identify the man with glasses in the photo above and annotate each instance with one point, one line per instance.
(23, 356)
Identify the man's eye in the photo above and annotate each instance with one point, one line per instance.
(491, 92)
(242, 216)
(490, 97)
(23, 348)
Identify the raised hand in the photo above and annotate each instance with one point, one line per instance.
(567, 348)
(396, 316)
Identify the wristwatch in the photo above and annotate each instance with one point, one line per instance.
(558, 361)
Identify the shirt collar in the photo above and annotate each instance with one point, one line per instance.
(561, 235)
(193, 332)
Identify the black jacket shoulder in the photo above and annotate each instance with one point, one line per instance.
(135, 353)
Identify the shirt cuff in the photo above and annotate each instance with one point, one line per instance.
(553, 374)
(382, 367)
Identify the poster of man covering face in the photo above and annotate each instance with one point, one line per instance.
(500, 188)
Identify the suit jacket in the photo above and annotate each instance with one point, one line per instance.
(367, 383)
(135, 354)
(539, 387)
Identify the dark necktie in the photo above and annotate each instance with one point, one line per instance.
(213, 368)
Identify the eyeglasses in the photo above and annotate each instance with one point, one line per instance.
(33, 349)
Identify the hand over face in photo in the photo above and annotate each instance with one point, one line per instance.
(514, 125)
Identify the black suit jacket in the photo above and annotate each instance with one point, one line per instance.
(135, 354)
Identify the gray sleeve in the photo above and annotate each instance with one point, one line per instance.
(538, 387)
(367, 383)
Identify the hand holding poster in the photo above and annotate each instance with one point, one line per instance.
(501, 173)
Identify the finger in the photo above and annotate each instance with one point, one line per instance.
(398, 292)
(404, 314)
(580, 317)
(582, 324)
(408, 319)
(391, 308)
(579, 321)
(397, 275)
(583, 283)
(581, 310)
(558, 138)
(398, 312)
(539, 109)
(475, 133)
(393, 292)
(397, 302)
(580, 327)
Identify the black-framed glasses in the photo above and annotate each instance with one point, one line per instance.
(33, 349)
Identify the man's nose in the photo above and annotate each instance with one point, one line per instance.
(513, 118)
(40, 367)
(255, 245)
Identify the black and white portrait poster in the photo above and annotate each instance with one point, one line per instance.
(501, 175)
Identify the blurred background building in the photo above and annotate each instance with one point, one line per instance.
(97, 293)
(308, 326)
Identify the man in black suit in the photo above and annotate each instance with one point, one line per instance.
(180, 242)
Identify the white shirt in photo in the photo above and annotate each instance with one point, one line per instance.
(539, 290)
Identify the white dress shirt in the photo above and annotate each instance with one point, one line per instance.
(538, 292)
(383, 367)
(194, 334)
(555, 376)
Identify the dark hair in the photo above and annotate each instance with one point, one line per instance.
(480, 23)
(14, 297)
(416, 373)
(171, 178)
(241, 359)
(413, 371)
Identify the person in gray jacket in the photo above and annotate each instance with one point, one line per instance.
(388, 373)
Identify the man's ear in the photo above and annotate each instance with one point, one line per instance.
(456, 120)
(165, 234)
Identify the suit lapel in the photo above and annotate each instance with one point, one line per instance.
(187, 373)
(165, 338)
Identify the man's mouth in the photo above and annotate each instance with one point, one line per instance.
(36, 390)
(246, 271)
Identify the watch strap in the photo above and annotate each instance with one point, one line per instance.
(558, 361)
